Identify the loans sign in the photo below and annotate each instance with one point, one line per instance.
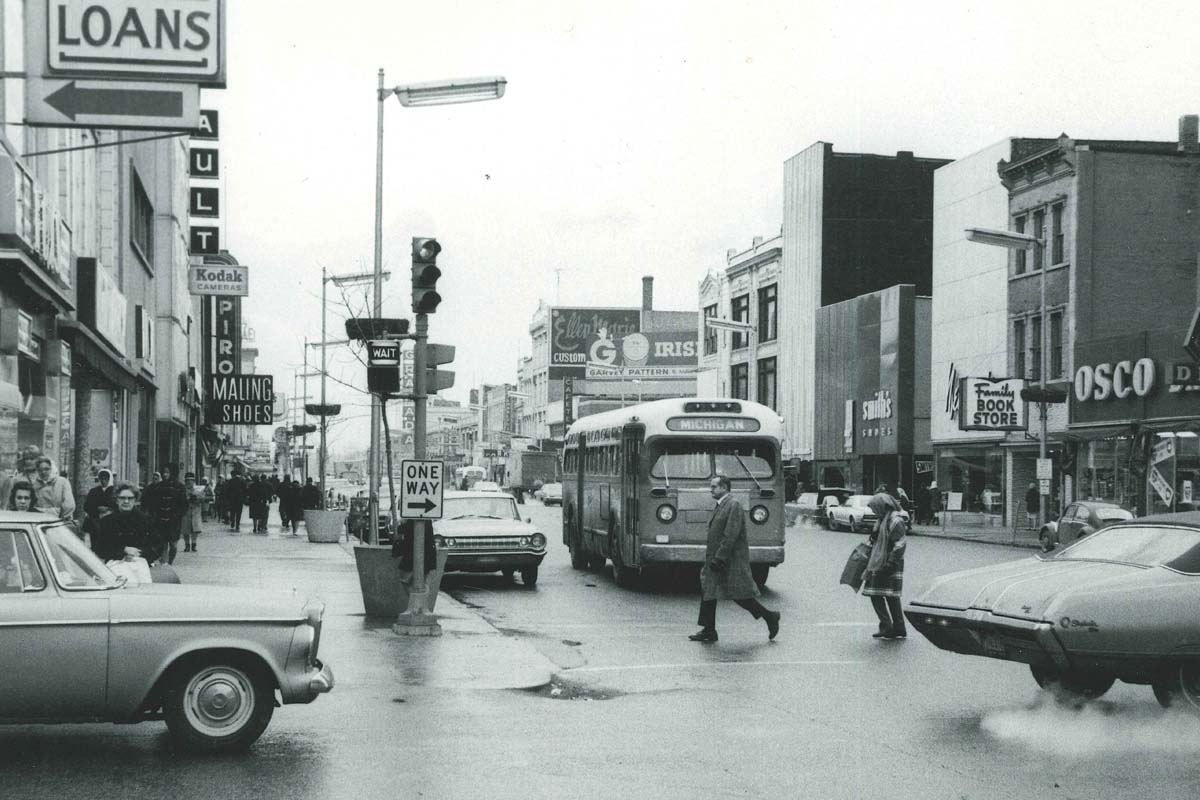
(992, 404)
(241, 400)
(158, 40)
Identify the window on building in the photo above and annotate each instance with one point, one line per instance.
(768, 313)
(141, 220)
(710, 334)
(740, 313)
(1039, 230)
(739, 380)
(1056, 346)
(1035, 349)
(766, 381)
(1020, 255)
(1056, 234)
(1019, 348)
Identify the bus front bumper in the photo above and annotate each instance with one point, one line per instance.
(694, 554)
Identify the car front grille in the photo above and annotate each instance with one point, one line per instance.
(490, 543)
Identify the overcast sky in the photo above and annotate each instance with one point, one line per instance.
(635, 138)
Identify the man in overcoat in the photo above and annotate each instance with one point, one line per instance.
(726, 573)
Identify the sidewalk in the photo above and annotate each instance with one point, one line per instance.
(470, 653)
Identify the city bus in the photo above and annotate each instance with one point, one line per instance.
(636, 483)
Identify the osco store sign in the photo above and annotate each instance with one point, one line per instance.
(1119, 381)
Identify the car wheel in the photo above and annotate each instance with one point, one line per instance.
(221, 703)
(529, 576)
(1181, 689)
(760, 573)
(1071, 685)
(1046, 539)
(508, 573)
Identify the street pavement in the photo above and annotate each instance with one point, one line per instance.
(632, 709)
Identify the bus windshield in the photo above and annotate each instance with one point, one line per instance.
(702, 459)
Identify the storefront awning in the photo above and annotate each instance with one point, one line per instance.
(97, 356)
(33, 278)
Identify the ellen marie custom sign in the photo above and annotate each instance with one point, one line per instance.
(989, 404)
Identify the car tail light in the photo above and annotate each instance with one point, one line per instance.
(538, 541)
(759, 514)
(666, 513)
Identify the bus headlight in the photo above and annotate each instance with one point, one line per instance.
(666, 513)
(759, 514)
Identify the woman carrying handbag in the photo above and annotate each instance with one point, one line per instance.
(883, 578)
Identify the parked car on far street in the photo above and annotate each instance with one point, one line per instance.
(1080, 519)
(550, 494)
(486, 486)
(484, 532)
(814, 505)
(854, 515)
(80, 644)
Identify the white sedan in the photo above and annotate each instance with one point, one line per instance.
(856, 515)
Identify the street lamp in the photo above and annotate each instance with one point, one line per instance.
(1024, 241)
(432, 93)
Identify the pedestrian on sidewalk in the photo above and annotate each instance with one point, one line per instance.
(52, 492)
(21, 496)
(26, 471)
(100, 496)
(193, 516)
(294, 499)
(310, 495)
(726, 572)
(127, 531)
(1033, 503)
(235, 497)
(883, 578)
(165, 503)
(285, 489)
(260, 503)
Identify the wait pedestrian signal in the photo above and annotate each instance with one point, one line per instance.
(425, 274)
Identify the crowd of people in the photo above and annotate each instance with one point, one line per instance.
(121, 520)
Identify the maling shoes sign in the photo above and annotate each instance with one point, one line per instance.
(241, 400)
(992, 404)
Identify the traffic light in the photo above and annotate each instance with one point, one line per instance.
(425, 274)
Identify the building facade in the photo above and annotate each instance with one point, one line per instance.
(872, 402)
(745, 366)
(852, 224)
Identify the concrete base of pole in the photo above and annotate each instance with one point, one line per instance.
(416, 622)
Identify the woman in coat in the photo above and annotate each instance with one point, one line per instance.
(884, 576)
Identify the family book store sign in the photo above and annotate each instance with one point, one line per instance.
(241, 400)
(992, 405)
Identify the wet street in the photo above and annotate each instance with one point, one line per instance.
(638, 710)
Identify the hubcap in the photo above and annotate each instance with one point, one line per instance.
(219, 700)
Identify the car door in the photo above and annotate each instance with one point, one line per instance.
(1083, 521)
(53, 643)
(1066, 524)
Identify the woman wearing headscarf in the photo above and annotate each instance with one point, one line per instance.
(884, 575)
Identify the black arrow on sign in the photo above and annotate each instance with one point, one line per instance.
(72, 101)
(426, 505)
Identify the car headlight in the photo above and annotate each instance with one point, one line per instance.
(524, 542)
(449, 542)
(666, 513)
(759, 514)
(538, 541)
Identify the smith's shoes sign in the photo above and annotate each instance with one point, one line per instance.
(219, 280)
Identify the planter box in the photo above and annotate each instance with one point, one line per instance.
(384, 594)
(324, 526)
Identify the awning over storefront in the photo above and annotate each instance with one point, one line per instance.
(97, 357)
(34, 278)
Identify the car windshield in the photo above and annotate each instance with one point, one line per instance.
(75, 566)
(480, 508)
(702, 459)
(1148, 546)
(1112, 514)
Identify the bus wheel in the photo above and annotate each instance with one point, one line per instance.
(579, 559)
(760, 572)
(623, 576)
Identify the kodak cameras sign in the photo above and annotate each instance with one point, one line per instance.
(219, 280)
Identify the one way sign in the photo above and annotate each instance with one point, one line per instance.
(421, 489)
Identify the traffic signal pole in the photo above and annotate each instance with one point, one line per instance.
(416, 620)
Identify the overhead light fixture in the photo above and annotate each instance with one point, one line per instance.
(1009, 239)
(459, 90)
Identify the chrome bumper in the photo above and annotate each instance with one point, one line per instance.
(694, 554)
(320, 679)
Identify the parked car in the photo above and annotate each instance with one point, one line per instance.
(855, 515)
(1079, 520)
(486, 486)
(550, 494)
(358, 520)
(79, 644)
(814, 505)
(482, 531)
(1119, 604)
